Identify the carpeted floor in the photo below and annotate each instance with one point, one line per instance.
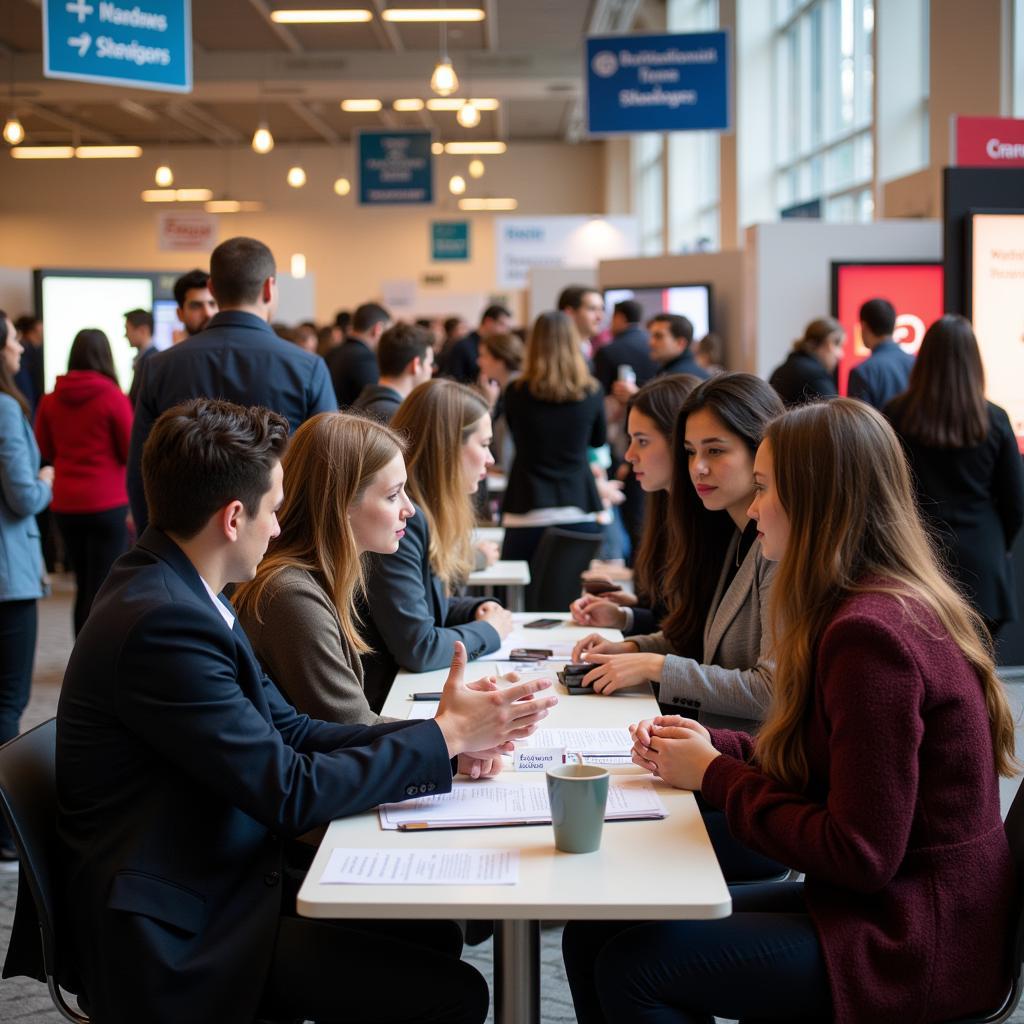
(27, 1002)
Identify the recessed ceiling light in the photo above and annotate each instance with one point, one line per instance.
(407, 106)
(433, 14)
(159, 195)
(108, 152)
(469, 148)
(361, 106)
(336, 17)
(457, 102)
(193, 195)
(43, 152)
(488, 204)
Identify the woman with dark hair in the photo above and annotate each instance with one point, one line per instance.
(83, 427)
(711, 655)
(650, 419)
(500, 358)
(809, 370)
(966, 464)
(25, 490)
(875, 774)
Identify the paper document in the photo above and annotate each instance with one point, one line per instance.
(421, 867)
(488, 804)
(583, 741)
(423, 709)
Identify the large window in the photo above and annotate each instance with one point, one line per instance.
(649, 185)
(824, 77)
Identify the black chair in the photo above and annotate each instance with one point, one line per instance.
(560, 558)
(28, 799)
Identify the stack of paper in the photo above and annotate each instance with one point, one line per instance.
(357, 866)
(585, 742)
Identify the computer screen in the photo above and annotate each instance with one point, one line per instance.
(690, 300)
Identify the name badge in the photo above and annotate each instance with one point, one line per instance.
(537, 759)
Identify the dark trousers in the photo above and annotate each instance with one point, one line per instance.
(18, 627)
(764, 963)
(93, 542)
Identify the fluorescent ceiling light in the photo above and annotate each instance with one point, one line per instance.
(159, 195)
(193, 195)
(336, 17)
(437, 148)
(407, 106)
(433, 14)
(487, 204)
(108, 152)
(233, 206)
(456, 103)
(361, 106)
(470, 148)
(43, 152)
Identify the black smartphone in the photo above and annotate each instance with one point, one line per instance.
(530, 654)
(579, 691)
(543, 624)
(428, 695)
(577, 669)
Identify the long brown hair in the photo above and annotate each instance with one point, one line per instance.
(7, 385)
(91, 351)
(660, 401)
(944, 405)
(331, 460)
(554, 369)
(436, 419)
(816, 333)
(745, 405)
(843, 481)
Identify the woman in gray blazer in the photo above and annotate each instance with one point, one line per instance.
(712, 655)
(25, 490)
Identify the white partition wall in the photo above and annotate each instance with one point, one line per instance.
(789, 273)
(546, 283)
(16, 291)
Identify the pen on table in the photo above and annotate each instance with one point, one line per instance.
(434, 695)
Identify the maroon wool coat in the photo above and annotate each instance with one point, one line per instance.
(910, 882)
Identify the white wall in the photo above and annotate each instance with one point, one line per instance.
(789, 272)
(15, 291)
(546, 284)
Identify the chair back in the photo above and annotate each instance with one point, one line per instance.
(28, 800)
(560, 558)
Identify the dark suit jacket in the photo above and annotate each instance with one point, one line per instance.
(353, 366)
(551, 467)
(140, 364)
(684, 363)
(460, 361)
(973, 499)
(239, 358)
(802, 378)
(628, 348)
(378, 401)
(181, 770)
(882, 376)
(410, 622)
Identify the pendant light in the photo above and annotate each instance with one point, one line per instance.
(468, 115)
(14, 131)
(444, 81)
(262, 140)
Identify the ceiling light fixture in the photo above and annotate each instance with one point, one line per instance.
(468, 115)
(164, 176)
(333, 17)
(361, 106)
(443, 14)
(108, 152)
(298, 264)
(159, 195)
(296, 176)
(476, 168)
(437, 148)
(458, 102)
(233, 206)
(43, 152)
(342, 186)
(407, 106)
(457, 184)
(471, 148)
(262, 140)
(193, 195)
(444, 81)
(14, 132)
(488, 204)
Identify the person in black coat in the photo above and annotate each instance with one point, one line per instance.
(966, 464)
(809, 370)
(885, 373)
(459, 360)
(671, 347)
(353, 364)
(238, 357)
(182, 773)
(629, 347)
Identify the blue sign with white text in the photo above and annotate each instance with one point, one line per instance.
(449, 240)
(659, 83)
(143, 45)
(395, 168)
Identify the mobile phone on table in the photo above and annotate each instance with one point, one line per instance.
(599, 585)
(427, 695)
(530, 654)
(542, 624)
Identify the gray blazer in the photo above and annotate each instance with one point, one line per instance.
(733, 686)
(301, 647)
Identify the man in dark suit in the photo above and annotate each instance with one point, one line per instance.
(459, 362)
(628, 347)
(353, 364)
(405, 357)
(182, 772)
(886, 372)
(238, 357)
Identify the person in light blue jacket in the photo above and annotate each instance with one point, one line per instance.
(25, 490)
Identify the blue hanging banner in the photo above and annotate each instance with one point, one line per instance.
(144, 45)
(658, 83)
(449, 240)
(395, 168)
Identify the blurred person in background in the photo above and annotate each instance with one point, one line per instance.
(584, 305)
(501, 362)
(405, 357)
(628, 348)
(25, 490)
(809, 372)
(29, 379)
(966, 467)
(196, 304)
(353, 364)
(460, 361)
(138, 329)
(84, 427)
(886, 372)
(710, 354)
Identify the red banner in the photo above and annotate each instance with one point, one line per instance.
(988, 142)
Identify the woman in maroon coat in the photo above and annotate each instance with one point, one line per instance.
(83, 427)
(875, 774)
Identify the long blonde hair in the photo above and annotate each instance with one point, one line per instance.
(554, 369)
(436, 419)
(330, 462)
(842, 478)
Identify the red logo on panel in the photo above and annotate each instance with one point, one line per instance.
(988, 142)
(915, 289)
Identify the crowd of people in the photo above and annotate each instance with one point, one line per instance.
(818, 584)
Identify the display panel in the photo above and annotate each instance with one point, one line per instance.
(995, 305)
(915, 289)
(690, 300)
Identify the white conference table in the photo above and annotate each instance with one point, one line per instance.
(513, 575)
(664, 870)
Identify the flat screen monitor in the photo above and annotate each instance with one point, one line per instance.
(165, 322)
(915, 289)
(995, 305)
(690, 300)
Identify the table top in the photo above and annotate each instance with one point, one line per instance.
(493, 533)
(501, 574)
(662, 870)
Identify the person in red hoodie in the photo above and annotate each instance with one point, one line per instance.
(83, 427)
(875, 774)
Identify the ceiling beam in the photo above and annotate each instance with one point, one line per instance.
(385, 31)
(202, 116)
(70, 124)
(315, 121)
(285, 35)
(490, 25)
(611, 16)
